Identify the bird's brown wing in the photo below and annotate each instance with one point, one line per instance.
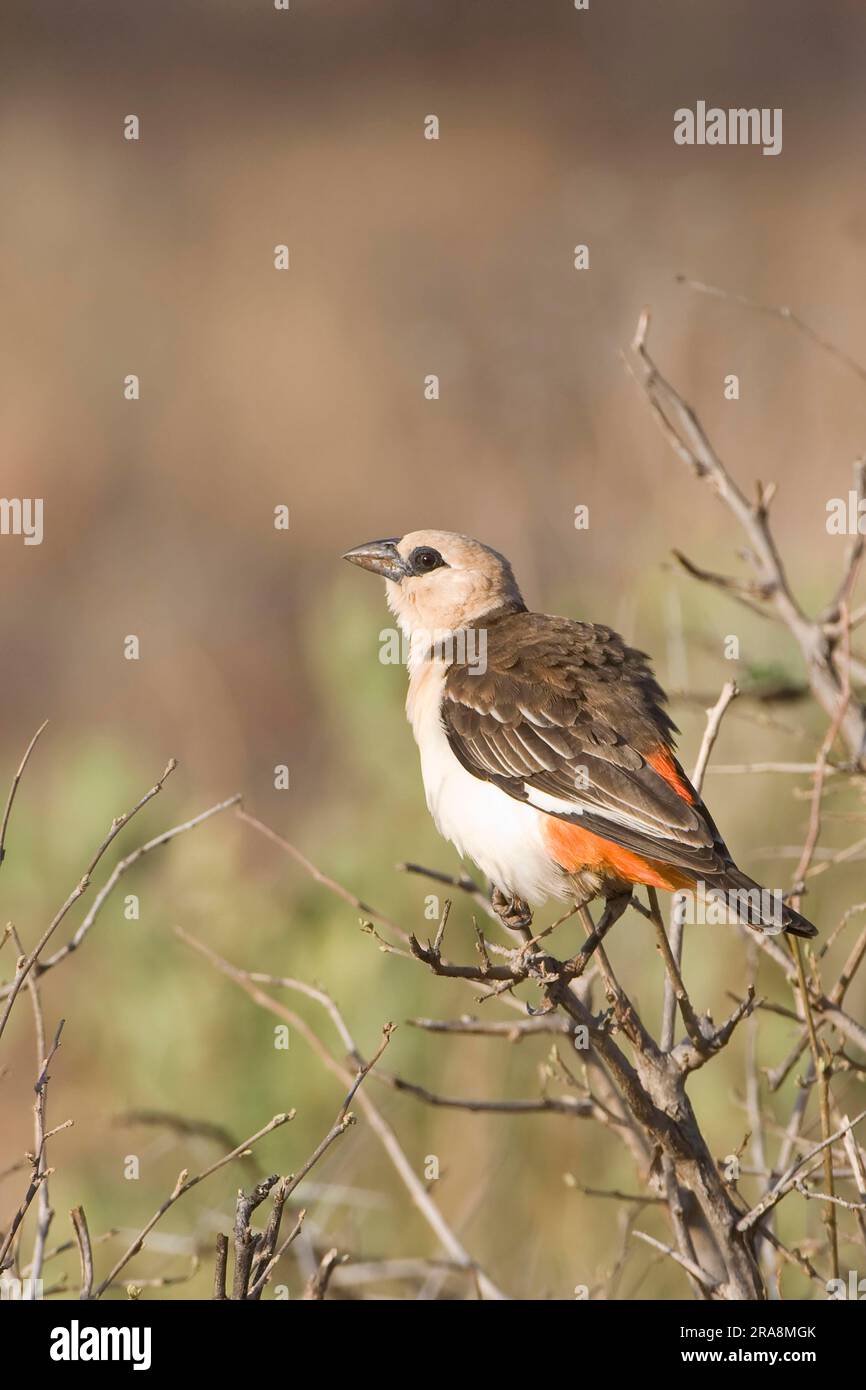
(565, 716)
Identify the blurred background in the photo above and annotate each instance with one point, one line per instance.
(259, 647)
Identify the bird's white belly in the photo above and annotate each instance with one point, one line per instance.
(501, 835)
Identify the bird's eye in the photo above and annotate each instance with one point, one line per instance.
(424, 560)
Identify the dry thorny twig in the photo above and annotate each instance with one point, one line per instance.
(256, 1254)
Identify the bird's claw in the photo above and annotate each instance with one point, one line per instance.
(513, 913)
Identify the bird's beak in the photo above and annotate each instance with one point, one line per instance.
(381, 557)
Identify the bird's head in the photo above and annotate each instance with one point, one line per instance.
(438, 581)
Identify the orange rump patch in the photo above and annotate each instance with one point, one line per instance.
(575, 849)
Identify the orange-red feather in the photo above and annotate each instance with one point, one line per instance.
(576, 849)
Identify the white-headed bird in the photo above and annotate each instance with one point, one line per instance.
(547, 754)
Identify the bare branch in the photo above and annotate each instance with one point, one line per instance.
(779, 311)
(331, 884)
(85, 1253)
(379, 1125)
(183, 1185)
(14, 788)
(25, 966)
(220, 1267)
(513, 1030)
(164, 838)
(464, 883)
(318, 1284)
(686, 436)
(788, 1181)
(689, 1265)
(262, 1279)
(560, 1105)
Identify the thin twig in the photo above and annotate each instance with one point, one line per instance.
(778, 311)
(123, 865)
(689, 1265)
(85, 1252)
(14, 788)
(788, 1180)
(183, 1185)
(309, 867)
(318, 1284)
(384, 1132)
(25, 966)
(262, 1279)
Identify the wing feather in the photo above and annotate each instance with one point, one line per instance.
(568, 718)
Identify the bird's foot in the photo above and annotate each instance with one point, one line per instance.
(513, 913)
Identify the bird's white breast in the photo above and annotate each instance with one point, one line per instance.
(503, 836)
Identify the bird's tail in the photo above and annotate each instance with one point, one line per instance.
(759, 907)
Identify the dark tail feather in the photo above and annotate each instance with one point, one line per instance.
(797, 925)
(758, 907)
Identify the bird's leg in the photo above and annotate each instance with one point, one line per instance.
(613, 909)
(512, 912)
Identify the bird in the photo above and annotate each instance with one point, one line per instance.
(547, 753)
